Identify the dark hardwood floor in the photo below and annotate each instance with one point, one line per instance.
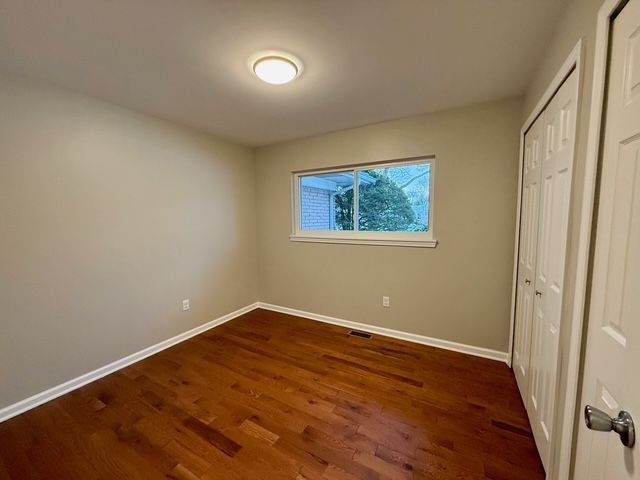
(271, 396)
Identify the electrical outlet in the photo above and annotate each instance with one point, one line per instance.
(185, 305)
(385, 302)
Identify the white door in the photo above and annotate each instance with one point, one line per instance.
(555, 192)
(611, 380)
(531, 173)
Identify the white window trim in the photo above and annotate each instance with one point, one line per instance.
(405, 239)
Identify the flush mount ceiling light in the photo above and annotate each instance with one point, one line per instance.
(276, 68)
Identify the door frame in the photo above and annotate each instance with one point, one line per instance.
(572, 413)
(574, 61)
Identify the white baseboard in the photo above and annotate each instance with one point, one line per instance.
(387, 332)
(38, 399)
(27, 404)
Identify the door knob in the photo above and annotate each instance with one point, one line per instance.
(527, 281)
(599, 421)
(539, 293)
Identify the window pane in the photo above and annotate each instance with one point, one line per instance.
(326, 201)
(394, 199)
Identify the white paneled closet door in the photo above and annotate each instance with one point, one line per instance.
(544, 227)
(557, 163)
(531, 174)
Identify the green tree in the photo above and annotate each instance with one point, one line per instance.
(383, 207)
(344, 210)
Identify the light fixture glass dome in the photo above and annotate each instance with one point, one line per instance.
(275, 69)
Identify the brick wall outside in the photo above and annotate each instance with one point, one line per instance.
(317, 211)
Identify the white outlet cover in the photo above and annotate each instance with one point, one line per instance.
(385, 301)
(185, 305)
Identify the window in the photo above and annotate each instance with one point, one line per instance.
(388, 203)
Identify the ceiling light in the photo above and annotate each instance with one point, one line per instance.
(276, 69)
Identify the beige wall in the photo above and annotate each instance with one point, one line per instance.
(459, 291)
(578, 21)
(108, 219)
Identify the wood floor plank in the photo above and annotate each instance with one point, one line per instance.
(272, 396)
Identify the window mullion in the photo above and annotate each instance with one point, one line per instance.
(298, 203)
(355, 200)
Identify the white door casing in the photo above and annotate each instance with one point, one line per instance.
(531, 174)
(612, 360)
(555, 193)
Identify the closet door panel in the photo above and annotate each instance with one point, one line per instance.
(532, 172)
(557, 163)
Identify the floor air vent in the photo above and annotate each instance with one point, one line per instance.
(355, 333)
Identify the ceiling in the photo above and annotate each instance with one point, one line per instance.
(365, 61)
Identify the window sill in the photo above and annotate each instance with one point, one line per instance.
(391, 242)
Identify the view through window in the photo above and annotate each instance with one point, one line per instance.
(379, 198)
